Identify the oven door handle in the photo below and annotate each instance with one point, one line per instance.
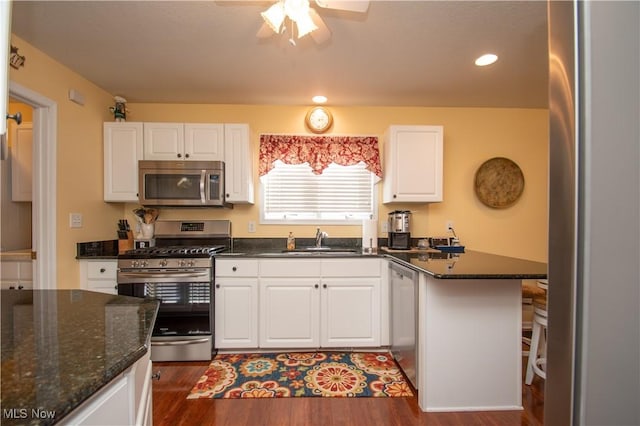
(148, 275)
(179, 342)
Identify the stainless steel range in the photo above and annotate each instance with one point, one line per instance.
(179, 271)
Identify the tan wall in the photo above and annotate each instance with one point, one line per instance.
(79, 155)
(472, 135)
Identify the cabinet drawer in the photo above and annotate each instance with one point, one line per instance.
(102, 270)
(103, 286)
(236, 268)
(290, 268)
(351, 267)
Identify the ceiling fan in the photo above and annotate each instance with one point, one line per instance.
(299, 18)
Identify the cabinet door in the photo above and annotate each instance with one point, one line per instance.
(21, 138)
(164, 141)
(350, 312)
(204, 142)
(414, 164)
(99, 275)
(238, 164)
(122, 150)
(236, 313)
(289, 313)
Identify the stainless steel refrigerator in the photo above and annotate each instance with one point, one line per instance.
(593, 353)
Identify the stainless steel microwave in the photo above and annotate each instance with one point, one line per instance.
(181, 183)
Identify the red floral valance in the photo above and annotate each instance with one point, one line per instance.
(319, 151)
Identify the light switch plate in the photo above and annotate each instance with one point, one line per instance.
(251, 226)
(75, 220)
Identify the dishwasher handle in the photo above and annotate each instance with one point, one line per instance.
(402, 271)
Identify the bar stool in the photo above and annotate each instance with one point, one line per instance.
(530, 290)
(537, 360)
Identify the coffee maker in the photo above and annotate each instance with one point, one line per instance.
(399, 235)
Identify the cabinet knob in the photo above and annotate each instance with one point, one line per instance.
(102, 270)
(235, 268)
(217, 285)
(324, 286)
(395, 196)
(11, 287)
(179, 155)
(186, 156)
(316, 286)
(20, 287)
(156, 375)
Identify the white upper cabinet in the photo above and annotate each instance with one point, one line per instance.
(178, 141)
(122, 150)
(238, 164)
(413, 164)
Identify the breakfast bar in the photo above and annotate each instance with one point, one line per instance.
(469, 329)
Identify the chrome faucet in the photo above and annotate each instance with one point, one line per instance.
(319, 236)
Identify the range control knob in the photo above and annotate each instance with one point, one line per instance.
(163, 262)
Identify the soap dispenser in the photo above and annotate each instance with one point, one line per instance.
(291, 242)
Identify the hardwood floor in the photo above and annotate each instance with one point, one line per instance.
(171, 407)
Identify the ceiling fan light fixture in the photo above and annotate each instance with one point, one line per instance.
(274, 16)
(305, 25)
(486, 59)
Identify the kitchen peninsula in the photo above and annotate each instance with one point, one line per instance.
(75, 356)
(469, 329)
(460, 315)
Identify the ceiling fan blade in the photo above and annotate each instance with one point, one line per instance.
(323, 33)
(265, 31)
(348, 5)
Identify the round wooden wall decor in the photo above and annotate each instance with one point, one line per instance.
(499, 182)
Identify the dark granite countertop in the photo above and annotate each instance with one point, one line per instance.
(468, 265)
(107, 249)
(61, 346)
(471, 265)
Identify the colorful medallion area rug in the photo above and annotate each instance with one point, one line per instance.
(302, 374)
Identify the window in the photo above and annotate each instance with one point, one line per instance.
(340, 195)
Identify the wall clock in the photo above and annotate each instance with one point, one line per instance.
(318, 119)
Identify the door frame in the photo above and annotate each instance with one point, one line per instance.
(45, 119)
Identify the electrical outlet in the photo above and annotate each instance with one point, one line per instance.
(449, 225)
(251, 226)
(385, 226)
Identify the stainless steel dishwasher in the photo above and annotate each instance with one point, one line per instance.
(404, 319)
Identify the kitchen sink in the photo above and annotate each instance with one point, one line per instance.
(315, 251)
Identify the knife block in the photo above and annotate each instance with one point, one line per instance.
(125, 245)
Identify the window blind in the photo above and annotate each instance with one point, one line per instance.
(340, 193)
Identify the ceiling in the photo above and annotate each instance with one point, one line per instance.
(399, 53)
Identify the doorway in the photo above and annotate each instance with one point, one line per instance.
(43, 204)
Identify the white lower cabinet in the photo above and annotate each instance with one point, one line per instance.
(299, 303)
(126, 400)
(289, 313)
(236, 304)
(16, 275)
(350, 312)
(99, 275)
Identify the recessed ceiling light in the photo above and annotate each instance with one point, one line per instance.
(487, 59)
(319, 99)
